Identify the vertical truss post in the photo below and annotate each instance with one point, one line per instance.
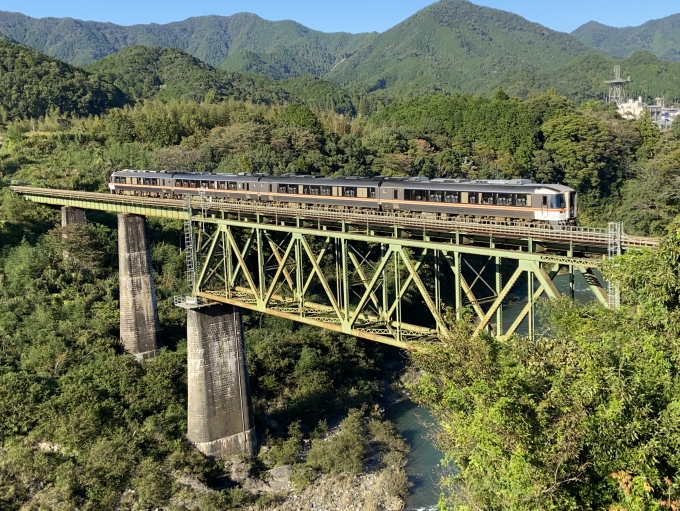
(299, 278)
(261, 276)
(614, 250)
(229, 258)
(532, 302)
(499, 290)
(437, 283)
(397, 290)
(385, 304)
(345, 275)
(457, 283)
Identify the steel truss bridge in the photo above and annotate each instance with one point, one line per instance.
(390, 277)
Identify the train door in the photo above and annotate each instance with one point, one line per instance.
(544, 206)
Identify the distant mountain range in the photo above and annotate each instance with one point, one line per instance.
(660, 37)
(451, 45)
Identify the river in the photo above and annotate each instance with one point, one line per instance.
(412, 421)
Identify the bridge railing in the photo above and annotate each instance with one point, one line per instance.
(402, 219)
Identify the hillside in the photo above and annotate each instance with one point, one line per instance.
(584, 78)
(32, 83)
(660, 37)
(167, 73)
(296, 49)
(455, 45)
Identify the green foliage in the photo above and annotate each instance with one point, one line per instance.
(244, 37)
(168, 73)
(33, 83)
(586, 418)
(344, 452)
(584, 151)
(660, 37)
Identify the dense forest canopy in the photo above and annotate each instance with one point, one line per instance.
(660, 37)
(451, 45)
(584, 418)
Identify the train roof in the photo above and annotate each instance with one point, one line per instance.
(418, 182)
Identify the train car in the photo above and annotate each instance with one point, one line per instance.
(351, 192)
(517, 200)
(144, 183)
(503, 200)
(224, 186)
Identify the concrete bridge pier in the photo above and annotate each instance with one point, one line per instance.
(71, 216)
(220, 411)
(138, 307)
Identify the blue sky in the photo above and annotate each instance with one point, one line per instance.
(344, 15)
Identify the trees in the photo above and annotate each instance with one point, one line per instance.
(584, 151)
(584, 418)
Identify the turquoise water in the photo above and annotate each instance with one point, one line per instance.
(423, 463)
(412, 421)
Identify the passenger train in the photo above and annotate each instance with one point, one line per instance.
(517, 200)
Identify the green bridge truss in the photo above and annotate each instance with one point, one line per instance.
(386, 277)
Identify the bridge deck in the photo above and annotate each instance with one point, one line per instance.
(176, 208)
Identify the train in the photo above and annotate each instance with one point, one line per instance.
(512, 200)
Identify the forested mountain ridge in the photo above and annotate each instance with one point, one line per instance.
(660, 37)
(291, 46)
(584, 78)
(450, 45)
(32, 83)
(167, 73)
(454, 44)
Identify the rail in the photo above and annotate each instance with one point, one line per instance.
(401, 219)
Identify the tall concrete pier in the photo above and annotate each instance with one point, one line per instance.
(138, 307)
(71, 216)
(220, 411)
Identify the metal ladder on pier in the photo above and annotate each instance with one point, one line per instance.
(189, 248)
(614, 250)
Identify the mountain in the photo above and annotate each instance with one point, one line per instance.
(164, 74)
(660, 37)
(32, 83)
(167, 73)
(295, 49)
(584, 78)
(454, 44)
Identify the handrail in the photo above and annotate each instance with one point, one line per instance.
(571, 234)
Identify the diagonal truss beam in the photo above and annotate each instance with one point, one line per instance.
(425, 294)
(498, 301)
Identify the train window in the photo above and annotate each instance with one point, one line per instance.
(193, 184)
(504, 199)
(349, 191)
(396, 194)
(453, 197)
(314, 190)
(292, 188)
(371, 193)
(557, 201)
(213, 185)
(520, 200)
(436, 196)
(282, 189)
(204, 184)
(415, 195)
(231, 185)
(472, 198)
(487, 198)
(326, 190)
(545, 201)
(147, 181)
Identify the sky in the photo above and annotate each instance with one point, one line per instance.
(346, 15)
